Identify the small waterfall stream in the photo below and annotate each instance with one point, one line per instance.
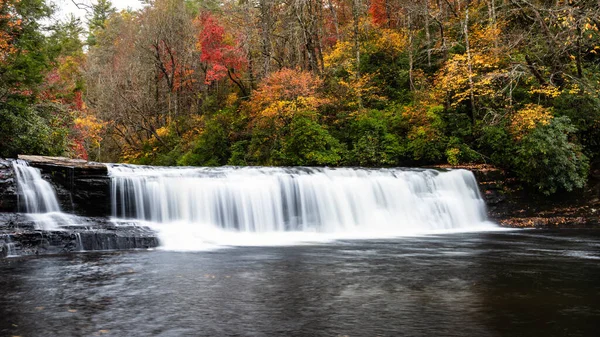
(258, 205)
(38, 198)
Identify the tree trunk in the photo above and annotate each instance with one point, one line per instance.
(470, 66)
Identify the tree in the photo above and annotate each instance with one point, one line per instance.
(101, 10)
(221, 52)
(26, 126)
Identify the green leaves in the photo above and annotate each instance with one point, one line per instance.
(549, 161)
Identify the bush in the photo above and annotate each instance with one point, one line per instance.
(547, 160)
(425, 142)
(496, 143)
(211, 147)
(458, 153)
(372, 143)
(306, 143)
(32, 130)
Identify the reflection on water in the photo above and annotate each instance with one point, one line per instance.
(525, 283)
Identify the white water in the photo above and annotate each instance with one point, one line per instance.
(10, 246)
(197, 208)
(38, 198)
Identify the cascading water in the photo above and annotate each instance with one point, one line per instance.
(38, 198)
(244, 206)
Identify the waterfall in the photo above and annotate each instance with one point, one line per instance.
(36, 194)
(213, 204)
(7, 247)
(38, 198)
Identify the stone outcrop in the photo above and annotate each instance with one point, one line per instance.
(83, 187)
(18, 236)
(8, 187)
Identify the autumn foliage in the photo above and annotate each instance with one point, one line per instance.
(220, 50)
(360, 83)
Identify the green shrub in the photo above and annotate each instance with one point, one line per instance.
(307, 143)
(549, 161)
(211, 147)
(372, 143)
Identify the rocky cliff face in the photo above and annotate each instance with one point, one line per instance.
(82, 187)
(8, 187)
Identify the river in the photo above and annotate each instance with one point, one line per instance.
(511, 283)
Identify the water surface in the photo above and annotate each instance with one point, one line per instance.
(522, 283)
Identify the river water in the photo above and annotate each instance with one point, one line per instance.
(515, 283)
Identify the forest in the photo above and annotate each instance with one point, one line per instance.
(371, 83)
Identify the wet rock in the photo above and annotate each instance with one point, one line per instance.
(3, 250)
(8, 187)
(18, 236)
(82, 187)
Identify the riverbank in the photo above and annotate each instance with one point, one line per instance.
(511, 205)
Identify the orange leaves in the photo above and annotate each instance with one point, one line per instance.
(181, 75)
(88, 135)
(287, 90)
(284, 94)
(10, 25)
(288, 84)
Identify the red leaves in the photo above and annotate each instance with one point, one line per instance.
(220, 51)
(180, 76)
(378, 12)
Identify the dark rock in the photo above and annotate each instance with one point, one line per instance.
(8, 187)
(82, 187)
(19, 236)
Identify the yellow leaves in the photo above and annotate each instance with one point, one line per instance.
(391, 41)
(91, 129)
(231, 99)
(547, 90)
(362, 87)
(588, 26)
(528, 118)
(483, 37)
(574, 89)
(453, 78)
(162, 131)
(340, 55)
